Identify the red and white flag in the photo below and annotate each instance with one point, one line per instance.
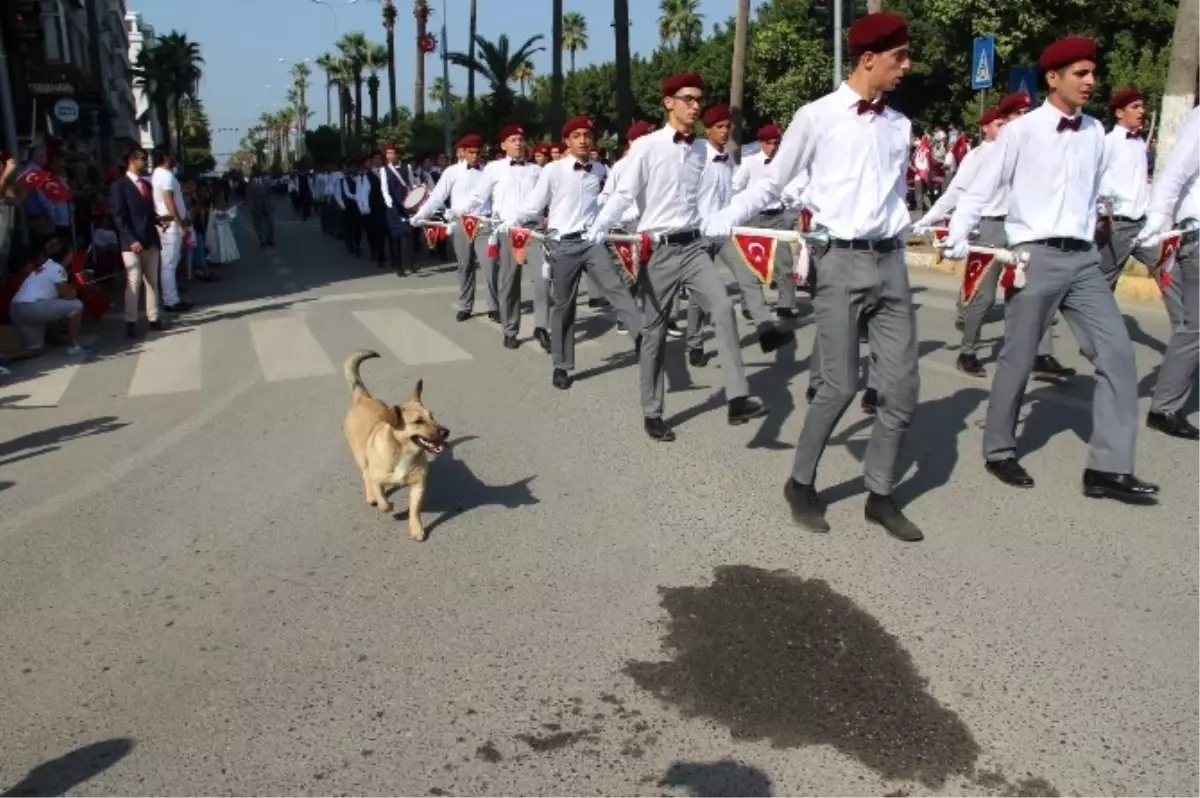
(758, 253)
(519, 238)
(627, 258)
(434, 234)
(57, 190)
(470, 225)
(33, 179)
(1168, 246)
(977, 265)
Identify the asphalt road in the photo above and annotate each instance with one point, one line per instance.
(195, 600)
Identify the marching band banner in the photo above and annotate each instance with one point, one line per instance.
(434, 235)
(519, 238)
(632, 256)
(758, 253)
(470, 226)
(1167, 249)
(977, 265)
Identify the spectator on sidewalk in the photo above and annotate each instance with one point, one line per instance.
(173, 225)
(131, 202)
(47, 297)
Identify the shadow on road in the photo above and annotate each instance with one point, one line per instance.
(718, 779)
(58, 776)
(49, 440)
(454, 489)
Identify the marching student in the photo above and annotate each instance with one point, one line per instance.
(664, 181)
(1050, 161)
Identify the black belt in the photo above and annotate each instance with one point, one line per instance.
(880, 246)
(571, 236)
(992, 219)
(1128, 219)
(1065, 244)
(680, 238)
(773, 212)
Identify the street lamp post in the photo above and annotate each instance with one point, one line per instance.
(446, 86)
(332, 10)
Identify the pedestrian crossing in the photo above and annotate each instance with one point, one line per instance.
(304, 341)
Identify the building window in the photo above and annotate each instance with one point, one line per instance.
(54, 32)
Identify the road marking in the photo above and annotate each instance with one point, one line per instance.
(525, 331)
(168, 364)
(412, 341)
(388, 292)
(287, 349)
(44, 390)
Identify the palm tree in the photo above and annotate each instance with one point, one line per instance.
(376, 60)
(421, 12)
(680, 22)
(300, 75)
(353, 47)
(472, 32)
(556, 75)
(624, 87)
(170, 71)
(329, 64)
(498, 65)
(436, 89)
(389, 25)
(523, 75)
(575, 34)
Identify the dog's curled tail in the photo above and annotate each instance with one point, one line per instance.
(351, 365)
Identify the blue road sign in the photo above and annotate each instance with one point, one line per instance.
(983, 62)
(1023, 78)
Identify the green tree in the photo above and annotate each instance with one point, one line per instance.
(680, 22)
(498, 64)
(575, 34)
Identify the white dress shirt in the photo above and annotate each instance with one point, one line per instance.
(796, 193)
(453, 190)
(663, 179)
(362, 193)
(572, 194)
(1126, 174)
(1054, 180)
(630, 216)
(856, 165)
(162, 180)
(501, 189)
(1176, 193)
(345, 189)
(963, 177)
(716, 184)
(751, 169)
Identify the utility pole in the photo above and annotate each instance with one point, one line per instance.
(624, 90)
(1180, 93)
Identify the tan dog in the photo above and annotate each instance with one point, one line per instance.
(392, 445)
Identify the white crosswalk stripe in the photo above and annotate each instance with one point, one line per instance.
(525, 331)
(168, 364)
(44, 390)
(287, 349)
(412, 341)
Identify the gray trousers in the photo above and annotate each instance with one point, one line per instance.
(595, 290)
(508, 287)
(535, 257)
(568, 261)
(1119, 247)
(1073, 282)
(671, 267)
(262, 214)
(750, 287)
(783, 256)
(1177, 376)
(470, 255)
(848, 284)
(991, 234)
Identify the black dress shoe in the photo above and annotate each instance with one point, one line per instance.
(673, 330)
(786, 313)
(772, 338)
(745, 408)
(637, 346)
(870, 401)
(805, 505)
(1009, 472)
(810, 394)
(959, 324)
(158, 325)
(597, 303)
(543, 338)
(462, 315)
(131, 329)
(511, 342)
(178, 307)
(494, 315)
(696, 358)
(561, 379)
(1173, 424)
(882, 510)
(1122, 487)
(746, 315)
(658, 430)
(969, 364)
(1047, 368)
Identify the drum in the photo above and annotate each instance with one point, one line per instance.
(415, 198)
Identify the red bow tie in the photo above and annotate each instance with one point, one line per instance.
(1069, 124)
(517, 163)
(686, 138)
(722, 158)
(876, 107)
(1131, 135)
(582, 167)
(476, 166)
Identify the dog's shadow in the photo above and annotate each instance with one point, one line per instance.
(454, 489)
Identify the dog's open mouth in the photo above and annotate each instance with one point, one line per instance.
(429, 445)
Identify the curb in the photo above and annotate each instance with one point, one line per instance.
(1135, 285)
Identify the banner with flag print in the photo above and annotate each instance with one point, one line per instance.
(977, 265)
(627, 257)
(33, 179)
(57, 190)
(470, 225)
(434, 235)
(758, 253)
(1168, 247)
(519, 237)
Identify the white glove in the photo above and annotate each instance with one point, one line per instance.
(717, 226)
(597, 236)
(1155, 224)
(922, 226)
(956, 250)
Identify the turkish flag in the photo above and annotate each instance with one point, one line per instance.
(645, 249)
(33, 179)
(493, 250)
(519, 238)
(434, 234)
(56, 190)
(977, 265)
(758, 253)
(470, 226)
(1167, 249)
(805, 220)
(627, 257)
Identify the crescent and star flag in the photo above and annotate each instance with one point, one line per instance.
(519, 238)
(470, 226)
(627, 257)
(805, 220)
(977, 265)
(1167, 248)
(434, 234)
(758, 253)
(33, 179)
(56, 190)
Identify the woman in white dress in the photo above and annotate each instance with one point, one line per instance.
(222, 247)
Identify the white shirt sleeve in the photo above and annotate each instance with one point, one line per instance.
(1181, 167)
(996, 170)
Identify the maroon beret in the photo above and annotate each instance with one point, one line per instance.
(544, 149)
(1014, 102)
(1067, 51)
(688, 80)
(391, 146)
(769, 132)
(577, 123)
(989, 116)
(877, 33)
(1123, 98)
(471, 141)
(637, 130)
(511, 129)
(716, 115)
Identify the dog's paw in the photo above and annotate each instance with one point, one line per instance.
(417, 534)
(386, 507)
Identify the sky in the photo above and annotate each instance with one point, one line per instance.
(249, 46)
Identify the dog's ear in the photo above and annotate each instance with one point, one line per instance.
(416, 394)
(399, 416)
